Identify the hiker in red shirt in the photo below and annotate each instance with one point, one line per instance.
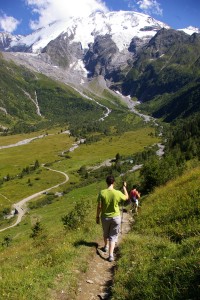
(134, 198)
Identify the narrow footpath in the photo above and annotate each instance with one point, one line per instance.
(96, 283)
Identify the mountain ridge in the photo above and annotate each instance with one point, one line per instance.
(121, 25)
(133, 52)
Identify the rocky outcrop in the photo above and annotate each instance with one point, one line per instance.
(164, 40)
(136, 44)
(63, 51)
(98, 59)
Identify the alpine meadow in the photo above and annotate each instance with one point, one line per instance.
(80, 100)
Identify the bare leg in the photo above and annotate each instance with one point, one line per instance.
(111, 248)
(105, 242)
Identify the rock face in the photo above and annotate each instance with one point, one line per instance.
(164, 40)
(103, 42)
(63, 51)
(100, 57)
(136, 44)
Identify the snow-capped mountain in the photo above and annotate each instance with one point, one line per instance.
(190, 30)
(101, 44)
(122, 26)
(128, 52)
(6, 39)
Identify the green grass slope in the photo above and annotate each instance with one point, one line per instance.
(20, 92)
(179, 105)
(48, 151)
(160, 258)
(165, 75)
(40, 257)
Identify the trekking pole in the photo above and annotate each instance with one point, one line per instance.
(122, 211)
(122, 217)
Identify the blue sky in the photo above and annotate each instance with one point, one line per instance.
(25, 16)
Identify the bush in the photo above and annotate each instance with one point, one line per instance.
(36, 230)
(76, 217)
(157, 172)
(6, 241)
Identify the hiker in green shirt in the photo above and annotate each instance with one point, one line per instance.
(108, 208)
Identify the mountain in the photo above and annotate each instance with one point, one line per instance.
(73, 44)
(121, 26)
(30, 101)
(6, 39)
(163, 74)
(134, 53)
(168, 52)
(190, 30)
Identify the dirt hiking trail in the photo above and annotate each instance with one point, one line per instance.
(96, 283)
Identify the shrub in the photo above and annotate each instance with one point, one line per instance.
(6, 241)
(36, 230)
(157, 172)
(76, 217)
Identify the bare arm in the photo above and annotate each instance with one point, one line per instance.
(125, 191)
(138, 194)
(98, 212)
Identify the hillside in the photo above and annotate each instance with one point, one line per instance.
(51, 255)
(160, 258)
(30, 101)
(165, 75)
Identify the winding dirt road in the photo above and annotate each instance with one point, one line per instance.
(21, 207)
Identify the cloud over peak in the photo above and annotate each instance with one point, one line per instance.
(48, 11)
(8, 23)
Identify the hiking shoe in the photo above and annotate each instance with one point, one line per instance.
(110, 258)
(104, 249)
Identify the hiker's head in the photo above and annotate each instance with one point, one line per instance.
(110, 180)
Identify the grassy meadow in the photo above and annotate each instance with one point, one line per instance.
(48, 150)
(125, 144)
(160, 257)
(48, 263)
(158, 254)
(45, 262)
(44, 256)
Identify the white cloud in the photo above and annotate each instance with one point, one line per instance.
(150, 6)
(49, 11)
(8, 24)
(146, 6)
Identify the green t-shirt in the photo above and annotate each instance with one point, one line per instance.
(110, 202)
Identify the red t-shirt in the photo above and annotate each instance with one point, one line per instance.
(134, 194)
